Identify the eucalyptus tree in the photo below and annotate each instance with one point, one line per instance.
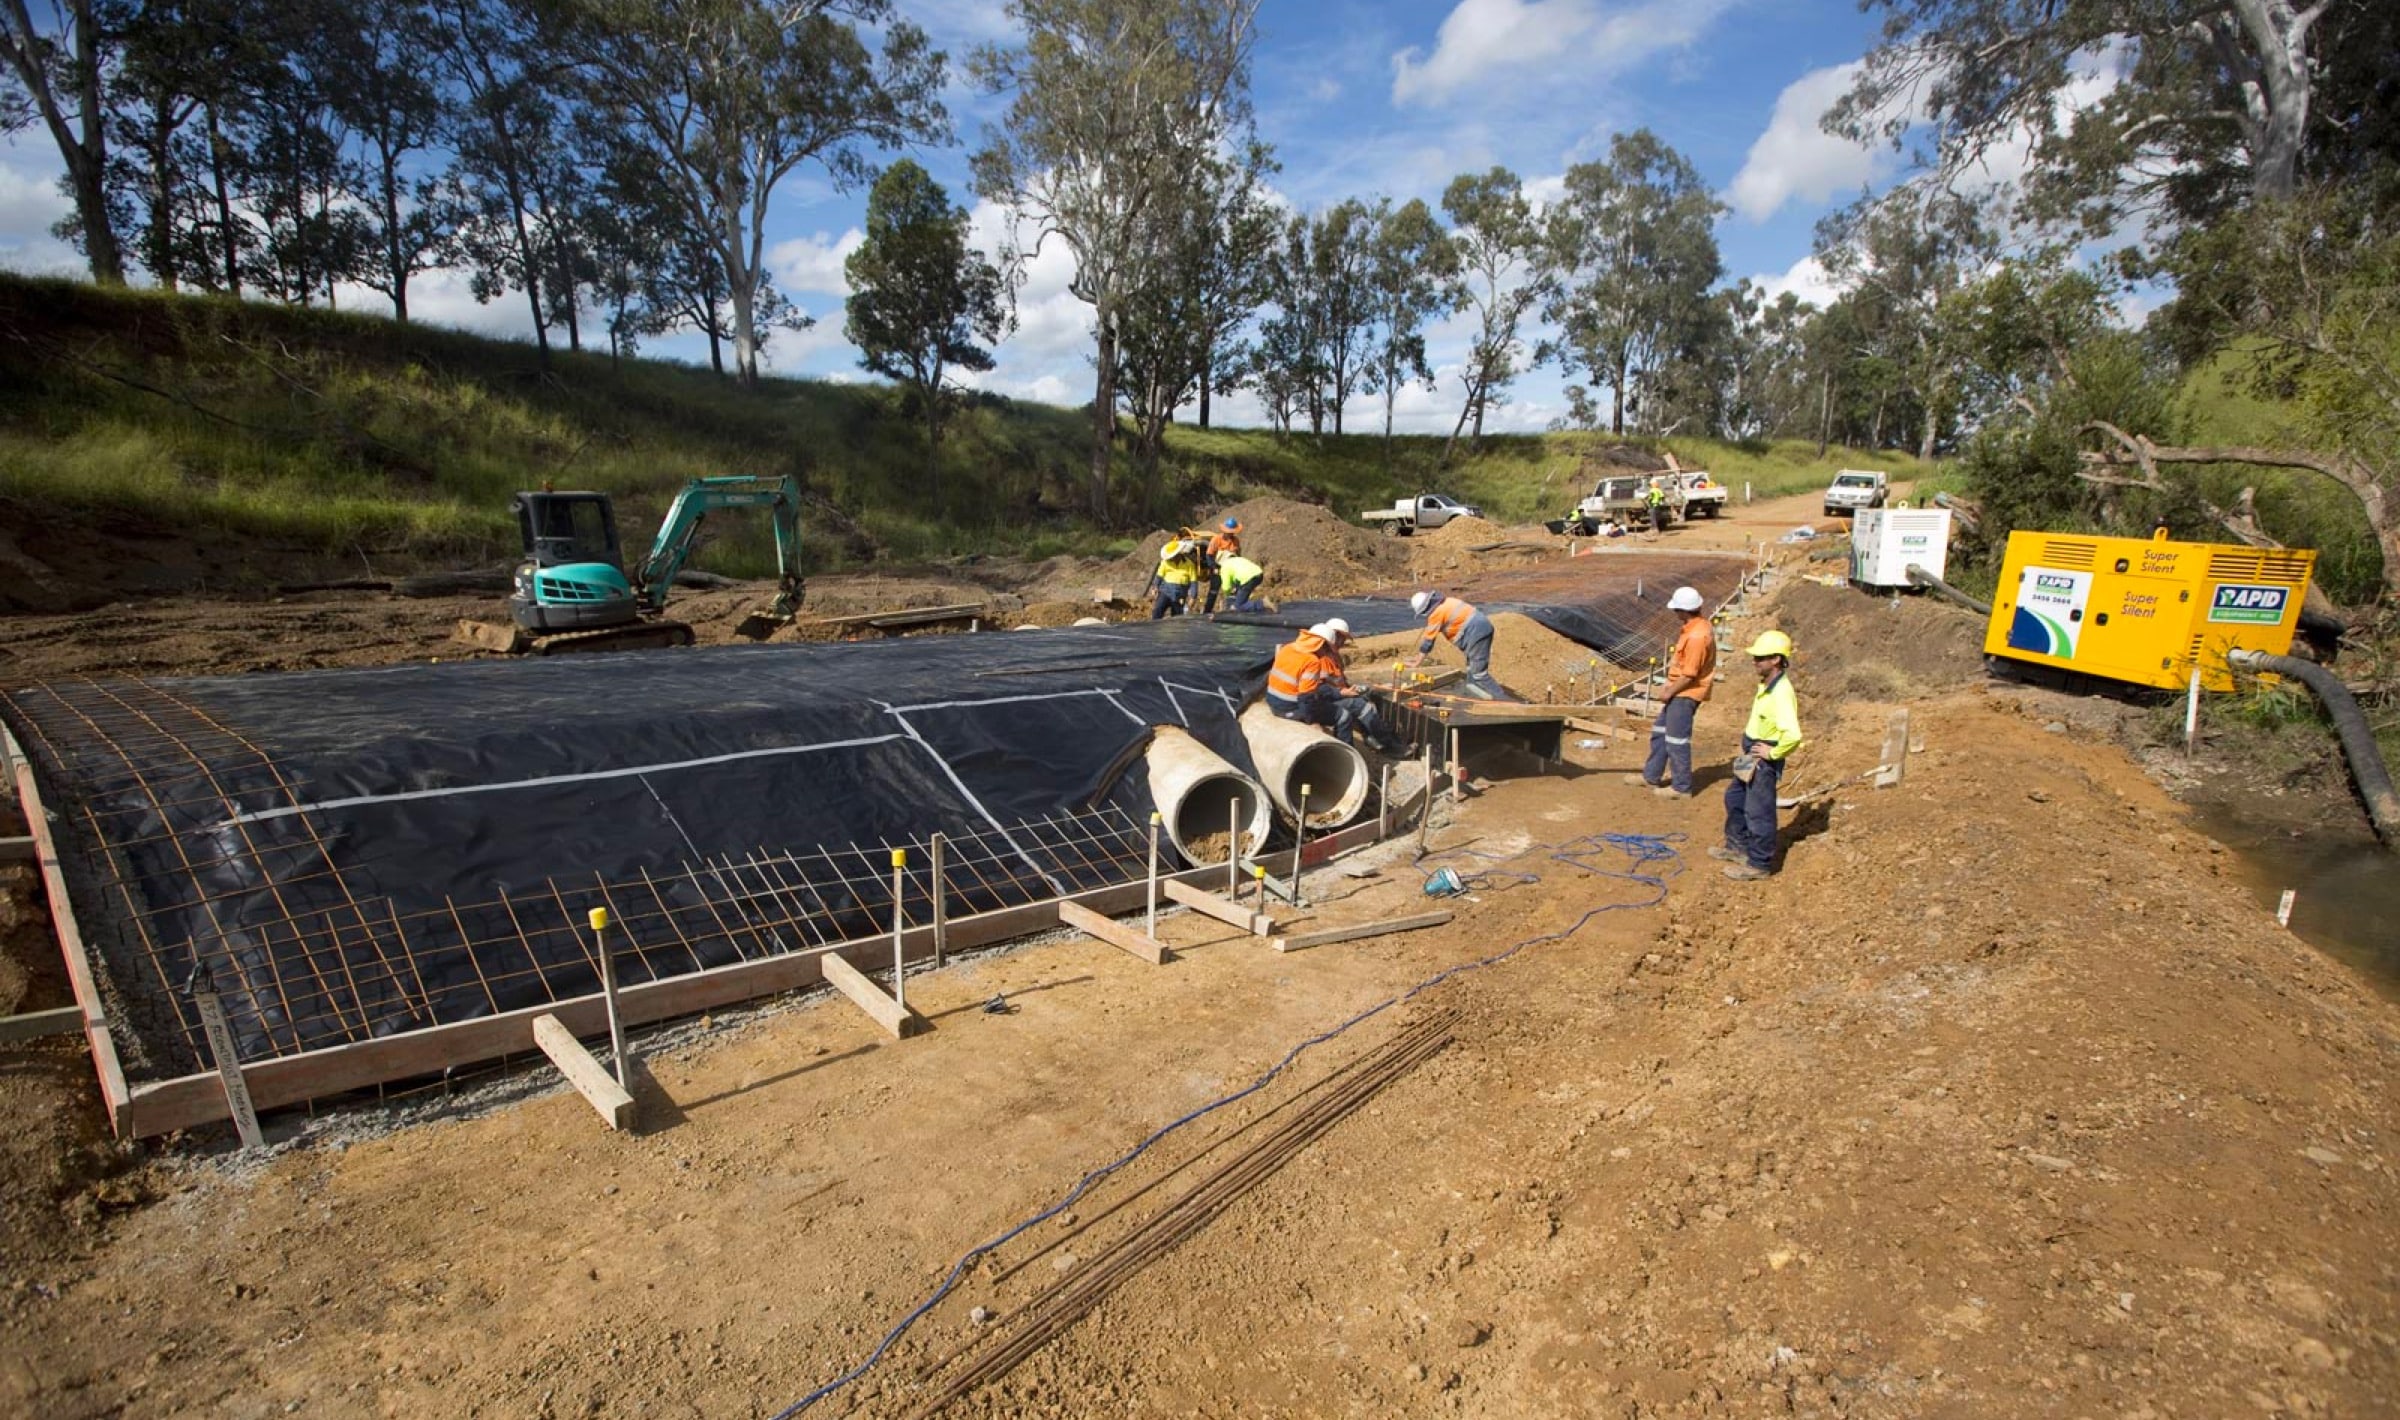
(59, 68)
(1112, 104)
(382, 88)
(734, 96)
(1631, 252)
(1411, 265)
(1495, 253)
(1909, 256)
(924, 303)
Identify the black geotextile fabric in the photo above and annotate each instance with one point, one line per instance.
(356, 853)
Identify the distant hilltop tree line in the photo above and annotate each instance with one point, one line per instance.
(612, 164)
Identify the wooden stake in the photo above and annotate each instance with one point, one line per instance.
(1233, 846)
(229, 1065)
(941, 900)
(1150, 921)
(2191, 715)
(1895, 751)
(583, 1072)
(1299, 838)
(1364, 929)
(33, 1025)
(608, 993)
(899, 922)
(2283, 909)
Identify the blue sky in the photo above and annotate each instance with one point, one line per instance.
(1359, 100)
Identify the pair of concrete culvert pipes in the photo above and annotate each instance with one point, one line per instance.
(1201, 797)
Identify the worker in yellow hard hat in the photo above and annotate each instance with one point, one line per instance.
(1768, 740)
(1178, 573)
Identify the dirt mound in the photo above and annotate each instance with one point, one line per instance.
(1867, 647)
(1308, 551)
(1529, 658)
(1464, 546)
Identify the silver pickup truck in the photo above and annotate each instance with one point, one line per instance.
(1853, 489)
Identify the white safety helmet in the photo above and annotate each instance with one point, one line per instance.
(1173, 549)
(1334, 629)
(1685, 599)
(1423, 602)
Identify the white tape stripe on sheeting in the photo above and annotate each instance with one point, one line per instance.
(1176, 701)
(977, 804)
(632, 772)
(997, 700)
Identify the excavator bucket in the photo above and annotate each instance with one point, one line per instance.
(761, 624)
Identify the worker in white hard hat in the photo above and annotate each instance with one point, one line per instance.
(1308, 683)
(1690, 668)
(1468, 629)
(1768, 740)
(1178, 573)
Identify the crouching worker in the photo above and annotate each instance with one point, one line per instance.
(1767, 742)
(1178, 573)
(1308, 684)
(1469, 630)
(1240, 577)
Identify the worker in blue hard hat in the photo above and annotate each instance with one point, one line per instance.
(1225, 542)
(1768, 740)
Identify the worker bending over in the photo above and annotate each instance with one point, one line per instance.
(1178, 573)
(1308, 684)
(1767, 742)
(1240, 577)
(1690, 666)
(1469, 630)
(1226, 542)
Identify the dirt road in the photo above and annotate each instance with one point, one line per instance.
(2001, 1099)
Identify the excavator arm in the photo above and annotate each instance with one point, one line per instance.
(679, 533)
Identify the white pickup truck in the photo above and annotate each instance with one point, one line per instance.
(1853, 489)
(1703, 496)
(1422, 513)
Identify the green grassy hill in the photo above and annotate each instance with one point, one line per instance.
(287, 442)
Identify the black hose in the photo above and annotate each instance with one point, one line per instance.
(2358, 741)
(1941, 588)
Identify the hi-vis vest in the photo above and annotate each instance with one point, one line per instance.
(1304, 665)
(1233, 570)
(1448, 618)
(1180, 571)
(1775, 716)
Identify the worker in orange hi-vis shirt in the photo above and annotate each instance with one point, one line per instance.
(1690, 668)
(1466, 628)
(1227, 542)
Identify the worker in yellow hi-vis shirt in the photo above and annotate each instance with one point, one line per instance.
(1767, 744)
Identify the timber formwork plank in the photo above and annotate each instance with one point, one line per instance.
(1209, 904)
(897, 1020)
(584, 1072)
(1364, 929)
(190, 1100)
(71, 945)
(1125, 939)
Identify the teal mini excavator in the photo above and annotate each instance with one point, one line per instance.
(574, 591)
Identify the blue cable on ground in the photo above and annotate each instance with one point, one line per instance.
(1643, 849)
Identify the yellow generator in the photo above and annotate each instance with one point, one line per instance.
(2146, 611)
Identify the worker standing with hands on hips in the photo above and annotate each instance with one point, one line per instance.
(1240, 577)
(1178, 573)
(1654, 501)
(1225, 542)
(1690, 666)
(1767, 742)
(1468, 629)
(1308, 684)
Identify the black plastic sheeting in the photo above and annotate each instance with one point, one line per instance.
(356, 853)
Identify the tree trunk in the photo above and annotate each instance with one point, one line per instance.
(1104, 416)
(161, 260)
(1824, 412)
(1616, 418)
(2270, 52)
(395, 260)
(218, 155)
(1925, 444)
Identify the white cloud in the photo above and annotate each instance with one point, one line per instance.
(30, 204)
(1806, 278)
(1484, 42)
(1325, 90)
(814, 263)
(1796, 158)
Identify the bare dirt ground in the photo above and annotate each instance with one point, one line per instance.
(2003, 1098)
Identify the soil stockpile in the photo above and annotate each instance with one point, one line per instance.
(1308, 551)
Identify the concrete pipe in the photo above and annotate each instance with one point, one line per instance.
(1200, 797)
(1289, 754)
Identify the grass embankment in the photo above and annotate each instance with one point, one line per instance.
(262, 431)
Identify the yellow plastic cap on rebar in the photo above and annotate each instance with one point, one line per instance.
(1156, 818)
(899, 857)
(599, 919)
